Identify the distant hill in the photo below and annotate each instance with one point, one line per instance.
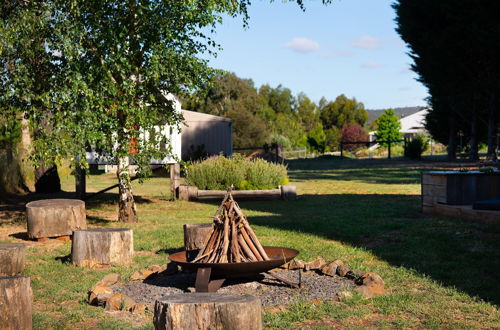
(400, 112)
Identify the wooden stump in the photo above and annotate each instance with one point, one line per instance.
(55, 217)
(195, 237)
(187, 193)
(16, 300)
(208, 311)
(102, 246)
(12, 258)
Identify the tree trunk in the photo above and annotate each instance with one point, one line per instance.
(452, 139)
(492, 138)
(126, 205)
(473, 155)
(47, 179)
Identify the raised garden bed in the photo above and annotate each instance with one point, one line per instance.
(459, 188)
(452, 193)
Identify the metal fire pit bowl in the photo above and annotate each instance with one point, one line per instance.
(222, 271)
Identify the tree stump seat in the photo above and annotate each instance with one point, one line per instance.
(195, 236)
(12, 258)
(208, 311)
(102, 246)
(55, 217)
(16, 298)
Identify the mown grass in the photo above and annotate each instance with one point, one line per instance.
(440, 273)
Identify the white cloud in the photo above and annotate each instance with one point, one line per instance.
(302, 45)
(366, 42)
(370, 65)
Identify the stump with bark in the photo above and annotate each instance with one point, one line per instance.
(195, 237)
(12, 258)
(16, 300)
(102, 246)
(55, 217)
(208, 311)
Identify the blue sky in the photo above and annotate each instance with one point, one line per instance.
(348, 47)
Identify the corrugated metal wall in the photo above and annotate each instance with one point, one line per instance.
(213, 132)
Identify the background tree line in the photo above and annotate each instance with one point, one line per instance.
(273, 114)
(455, 48)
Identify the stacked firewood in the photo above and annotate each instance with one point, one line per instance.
(231, 239)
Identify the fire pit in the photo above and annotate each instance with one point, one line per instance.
(211, 276)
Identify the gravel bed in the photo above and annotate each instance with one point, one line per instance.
(270, 291)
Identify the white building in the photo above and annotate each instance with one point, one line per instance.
(198, 132)
(414, 123)
(410, 125)
(205, 135)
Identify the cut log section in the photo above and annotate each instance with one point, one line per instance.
(16, 300)
(55, 217)
(12, 258)
(102, 246)
(208, 311)
(195, 237)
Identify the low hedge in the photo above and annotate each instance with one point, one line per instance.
(219, 173)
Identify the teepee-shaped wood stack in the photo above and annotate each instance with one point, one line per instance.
(231, 239)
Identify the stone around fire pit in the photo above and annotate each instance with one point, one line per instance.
(270, 291)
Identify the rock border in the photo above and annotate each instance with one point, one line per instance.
(369, 284)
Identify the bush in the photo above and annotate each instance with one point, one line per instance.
(219, 173)
(417, 146)
(354, 133)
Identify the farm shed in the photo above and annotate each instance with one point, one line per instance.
(204, 133)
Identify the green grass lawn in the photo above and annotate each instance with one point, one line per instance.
(440, 273)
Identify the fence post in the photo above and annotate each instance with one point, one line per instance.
(389, 150)
(341, 149)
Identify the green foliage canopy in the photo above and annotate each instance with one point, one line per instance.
(343, 111)
(388, 127)
(108, 66)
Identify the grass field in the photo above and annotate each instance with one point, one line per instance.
(440, 273)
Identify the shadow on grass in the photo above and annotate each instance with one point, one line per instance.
(64, 259)
(384, 171)
(169, 251)
(93, 220)
(455, 253)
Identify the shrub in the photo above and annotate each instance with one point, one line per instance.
(219, 173)
(354, 133)
(417, 146)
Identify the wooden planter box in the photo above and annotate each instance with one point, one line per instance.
(459, 188)
(188, 193)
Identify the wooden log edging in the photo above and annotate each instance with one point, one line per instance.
(189, 193)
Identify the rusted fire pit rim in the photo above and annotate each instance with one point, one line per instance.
(278, 255)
